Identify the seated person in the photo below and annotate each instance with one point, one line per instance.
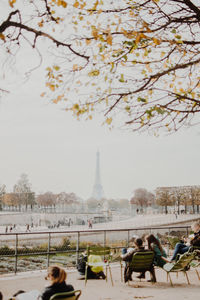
(154, 244)
(93, 272)
(184, 246)
(57, 277)
(138, 243)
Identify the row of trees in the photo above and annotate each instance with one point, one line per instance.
(186, 196)
(23, 195)
(177, 197)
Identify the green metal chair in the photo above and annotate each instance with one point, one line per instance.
(106, 255)
(182, 265)
(196, 262)
(141, 262)
(73, 295)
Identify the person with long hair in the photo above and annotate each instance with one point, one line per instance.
(57, 276)
(160, 258)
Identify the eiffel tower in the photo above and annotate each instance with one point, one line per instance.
(98, 192)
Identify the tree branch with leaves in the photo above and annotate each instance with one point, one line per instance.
(136, 62)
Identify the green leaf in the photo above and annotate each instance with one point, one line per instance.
(140, 99)
(121, 78)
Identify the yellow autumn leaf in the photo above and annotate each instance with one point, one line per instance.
(64, 4)
(43, 94)
(162, 54)
(12, 2)
(87, 41)
(57, 68)
(150, 92)
(148, 68)
(40, 24)
(93, 73)
(51, 86)
(109, 39)
(109, 121)
(76, 4)
(156, 41)
(95, 32)
(75, 107)
(83, 5)
(2, 37)
(75, 67)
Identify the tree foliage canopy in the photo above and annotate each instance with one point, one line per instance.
(135, 61)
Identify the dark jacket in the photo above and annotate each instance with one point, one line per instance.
(56, 288)
(196, 240)
(128, 256)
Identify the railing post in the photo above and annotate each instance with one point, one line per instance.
(128, 238)
(48, 250)
(104, 238)
(168, 243)
(16, 245)
(77, 247)
(187, 231)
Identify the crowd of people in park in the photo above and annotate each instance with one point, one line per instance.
(29, 227)
(57, 276)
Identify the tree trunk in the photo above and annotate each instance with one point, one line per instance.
(178, 207)
(193, 208)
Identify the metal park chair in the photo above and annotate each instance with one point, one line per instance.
(142, 261)
(73, 295)
(182, 265)
(105, 254)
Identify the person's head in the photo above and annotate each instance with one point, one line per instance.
(138, 242)
(151, 239)
(196, 226)
(56, 274)
(1, 296)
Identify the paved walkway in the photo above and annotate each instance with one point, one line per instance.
(131, 222)
(100, 290)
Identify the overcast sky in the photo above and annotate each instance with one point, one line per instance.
(58, 153)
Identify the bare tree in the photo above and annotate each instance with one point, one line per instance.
(142, 198)
(23, 191)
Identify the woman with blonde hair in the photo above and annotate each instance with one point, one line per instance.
(57, 276)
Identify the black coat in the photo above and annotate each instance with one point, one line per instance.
(196, 239)
(56, 288)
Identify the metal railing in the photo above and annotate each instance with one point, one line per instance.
(31, 250)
